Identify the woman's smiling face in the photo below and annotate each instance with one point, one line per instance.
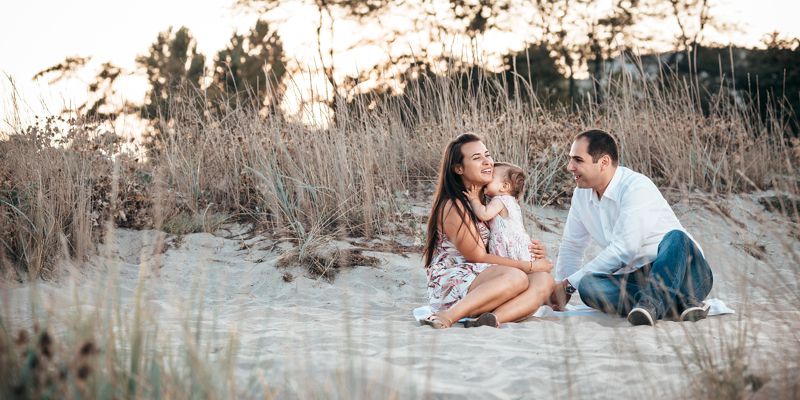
(477, 167)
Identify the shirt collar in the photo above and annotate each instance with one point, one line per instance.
(612, 190)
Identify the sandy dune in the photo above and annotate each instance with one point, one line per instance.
(356, 337)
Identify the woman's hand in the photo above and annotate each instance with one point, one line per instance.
(473, 192)
(541, 265)
(537, 249)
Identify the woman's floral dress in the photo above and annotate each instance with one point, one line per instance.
(508, 237)
(449, 273)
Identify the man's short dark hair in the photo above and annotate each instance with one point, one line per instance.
(600, 144)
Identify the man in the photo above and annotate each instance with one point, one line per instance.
(650, 267)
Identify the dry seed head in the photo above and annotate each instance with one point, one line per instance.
(45, 341)
(84, 371)
(22, 337)
(87, 349)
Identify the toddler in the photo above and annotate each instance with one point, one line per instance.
(508, 237)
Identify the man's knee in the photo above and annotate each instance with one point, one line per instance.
(675, 240)
(587, 290)
(594, 290)
(588, 285)
(677, 235)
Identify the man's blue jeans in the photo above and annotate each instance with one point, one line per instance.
(678, 278)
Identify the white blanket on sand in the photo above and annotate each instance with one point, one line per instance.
(716, 307)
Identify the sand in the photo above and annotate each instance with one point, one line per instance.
(356, 338)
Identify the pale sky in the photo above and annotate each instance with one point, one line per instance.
(35, 34)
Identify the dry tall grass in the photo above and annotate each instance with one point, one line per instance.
(307, 183)
(62, 184)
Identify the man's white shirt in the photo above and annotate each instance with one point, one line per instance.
(629, 222)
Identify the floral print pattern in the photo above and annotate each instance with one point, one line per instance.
(449, 273)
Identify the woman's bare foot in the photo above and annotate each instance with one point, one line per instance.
(437, 321)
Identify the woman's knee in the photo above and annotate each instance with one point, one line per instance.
(516, 280)
(544, 282)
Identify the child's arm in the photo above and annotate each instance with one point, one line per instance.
(467, 240)
(483, 212)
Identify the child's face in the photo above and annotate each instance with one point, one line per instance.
(498, 185)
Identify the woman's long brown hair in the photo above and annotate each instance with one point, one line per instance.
(449, 187)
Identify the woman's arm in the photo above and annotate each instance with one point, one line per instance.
(540, 265)
(465, 237)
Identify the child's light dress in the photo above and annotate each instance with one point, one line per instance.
(508, 237)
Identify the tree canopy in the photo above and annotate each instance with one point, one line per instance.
(561, 42)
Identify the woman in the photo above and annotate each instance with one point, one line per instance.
(463, 278)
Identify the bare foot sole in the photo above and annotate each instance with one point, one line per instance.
(485, 319)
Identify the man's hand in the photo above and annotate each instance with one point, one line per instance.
(559, 298)
(537, 249)
(473, 192)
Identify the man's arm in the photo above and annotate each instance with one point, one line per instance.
(627, 234)
(573, 244)
(570, 254)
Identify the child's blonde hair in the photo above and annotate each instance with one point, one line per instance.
(515, 176)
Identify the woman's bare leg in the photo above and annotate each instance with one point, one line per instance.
(526, 303)
(494, 286)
